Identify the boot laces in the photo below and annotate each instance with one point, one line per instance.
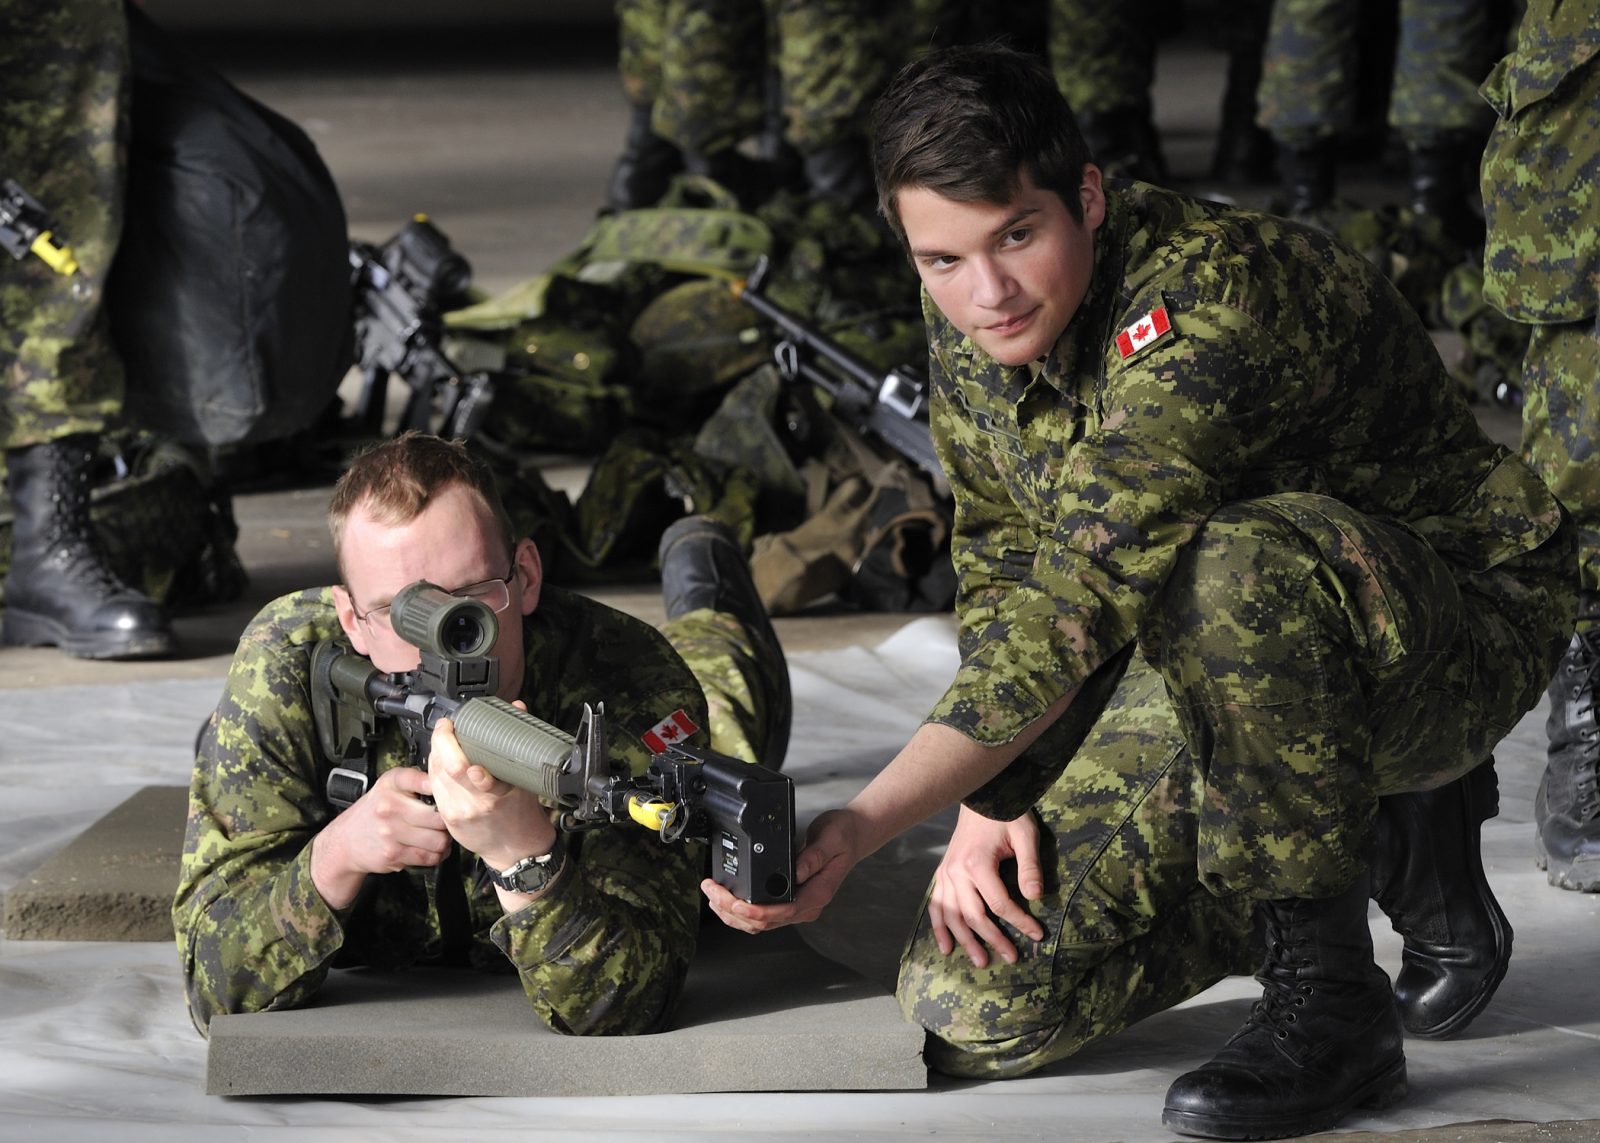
(69, 534)
(1284, 991)
(1582, 672)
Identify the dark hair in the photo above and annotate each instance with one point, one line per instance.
(395, 480)
(965, 122)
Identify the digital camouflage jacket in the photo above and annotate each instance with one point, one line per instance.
(1541, 168)
(1256, 356)
(603, 950)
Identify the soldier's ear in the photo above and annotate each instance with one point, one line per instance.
(530, 577)
(347, 620)
(1092, 197)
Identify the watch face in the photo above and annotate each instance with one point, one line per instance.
(531, 874)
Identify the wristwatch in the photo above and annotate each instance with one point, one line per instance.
(531, 874)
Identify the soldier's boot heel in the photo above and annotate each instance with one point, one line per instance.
(704, 566)
(1566, 808)
(1323, 1040)
(1428, 878)
(59, 591)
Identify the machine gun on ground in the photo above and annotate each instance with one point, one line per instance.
(745, 811)
(891, 406)
(400, 289)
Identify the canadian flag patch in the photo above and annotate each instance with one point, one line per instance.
(1148, 329)
(674, 728)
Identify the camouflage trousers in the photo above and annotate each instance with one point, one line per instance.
(701, 66)
(1561, 432)
(63, 93)
(741, 677)
(1304, 660)
(1309, 70)
(1102, 55)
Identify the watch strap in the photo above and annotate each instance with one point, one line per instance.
(531, 874)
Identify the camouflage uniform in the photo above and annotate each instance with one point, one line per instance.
(1308, 83)
(698, 65)
(1337, 586)
(604, 950)
(63, 136)
(701, 65)
(1541, 198)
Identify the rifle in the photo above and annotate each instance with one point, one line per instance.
(745, 811)
(891, 406)
(399, 288)
(27, 228)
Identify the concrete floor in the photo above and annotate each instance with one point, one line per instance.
(505, 138)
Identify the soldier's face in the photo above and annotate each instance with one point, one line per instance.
(1009, 275)
(453, 543)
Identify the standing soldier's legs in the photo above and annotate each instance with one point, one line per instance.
(716, 622)
(63, 89)
(1341, 659)
(1129, 930)
(1442, 57)
(833, 57)
(1103, 57)
(1561, 439)
(648, 161)
(1307, 95)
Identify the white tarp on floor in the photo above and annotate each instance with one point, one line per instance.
(95, 1043)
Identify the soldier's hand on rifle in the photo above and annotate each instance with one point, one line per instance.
(970, 895)
(830, 853)
(387, 829)
(499, 822)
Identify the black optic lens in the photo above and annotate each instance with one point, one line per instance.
(462, 634)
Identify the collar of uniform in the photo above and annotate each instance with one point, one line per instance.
(1082, 344)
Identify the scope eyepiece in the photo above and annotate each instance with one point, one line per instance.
(434, 621)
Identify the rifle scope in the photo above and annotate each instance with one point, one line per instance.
(438, 623)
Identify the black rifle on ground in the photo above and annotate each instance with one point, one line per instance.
(746, 812)
(891, 406)
(400, 288)
(27, 228)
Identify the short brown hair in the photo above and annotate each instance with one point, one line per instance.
(966, 122)
(395, 480)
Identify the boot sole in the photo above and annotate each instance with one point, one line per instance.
(23, 629)
(1385, 1089)
(1580, 875)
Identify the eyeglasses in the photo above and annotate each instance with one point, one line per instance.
(495, 594)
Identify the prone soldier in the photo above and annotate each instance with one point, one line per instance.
(451, 865)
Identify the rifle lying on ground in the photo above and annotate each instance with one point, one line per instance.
(27, 228)
(400, 289)
(891, 406)
(745, 811)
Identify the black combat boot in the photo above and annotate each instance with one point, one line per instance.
(1323, 1040)
(703, 566)
(59, 590)
(1125, 143)
(1443, 171)
(748, 179)
(645, 167)
(1566, 809)
(842, 173)
(1427, 875)
(1310, 174)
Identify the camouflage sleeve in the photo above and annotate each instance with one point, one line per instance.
(253, 932)
(1176, 423)
(605, 949)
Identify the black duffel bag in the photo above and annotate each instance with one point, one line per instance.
(230, 293)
